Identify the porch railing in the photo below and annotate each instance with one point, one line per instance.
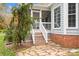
(33, 36)
(47, 26)
(44, 32)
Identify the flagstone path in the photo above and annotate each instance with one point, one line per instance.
(50, 49)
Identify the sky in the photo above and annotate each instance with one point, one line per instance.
(10, 5)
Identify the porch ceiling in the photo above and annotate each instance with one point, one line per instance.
(42, 4)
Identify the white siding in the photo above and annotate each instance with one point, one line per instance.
(74, 31)
(61, 29)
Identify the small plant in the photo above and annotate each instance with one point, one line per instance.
(3, 50)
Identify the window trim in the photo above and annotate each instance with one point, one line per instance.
(76, 27)
(60, 17)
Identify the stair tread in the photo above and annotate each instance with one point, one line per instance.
(39, 39)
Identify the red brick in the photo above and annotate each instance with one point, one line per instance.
(69, 41)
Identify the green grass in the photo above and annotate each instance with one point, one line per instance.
(3, 50)
(74, 54)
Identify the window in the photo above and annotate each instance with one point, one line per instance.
(71, 14)
(57, 17)
(46, 16)
(36, 15)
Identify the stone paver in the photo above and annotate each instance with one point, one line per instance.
(50, 49)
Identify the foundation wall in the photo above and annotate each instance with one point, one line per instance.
(69, 41)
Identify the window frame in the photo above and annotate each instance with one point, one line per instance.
(76, 16)
(54, 18)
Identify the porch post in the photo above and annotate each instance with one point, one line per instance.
(65, 7)
(32, 16)
(40, 18)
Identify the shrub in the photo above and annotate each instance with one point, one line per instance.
(3, 50)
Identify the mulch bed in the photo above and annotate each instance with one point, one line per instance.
(24, 45)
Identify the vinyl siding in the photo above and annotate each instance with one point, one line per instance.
(61, 29)
(74, 31)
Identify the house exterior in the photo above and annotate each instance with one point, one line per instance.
(60, 21)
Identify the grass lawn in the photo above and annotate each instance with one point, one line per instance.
(74, 54)
(3, 50)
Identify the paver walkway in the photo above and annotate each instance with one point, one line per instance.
(50, 49)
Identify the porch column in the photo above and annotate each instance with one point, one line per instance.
(40, 18)
(65, 7)
(32, 16)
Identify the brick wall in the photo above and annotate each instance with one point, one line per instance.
(69, 41)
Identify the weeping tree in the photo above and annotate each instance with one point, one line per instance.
(20, 25)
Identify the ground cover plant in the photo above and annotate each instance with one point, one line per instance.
(3, 50)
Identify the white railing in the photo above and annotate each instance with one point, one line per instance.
(33, 36)
(44, 32)
(46, 22)
(47, 26)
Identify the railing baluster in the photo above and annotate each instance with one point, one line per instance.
(44, 32)
(33, 36)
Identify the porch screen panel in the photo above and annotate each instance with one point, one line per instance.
(36, 18)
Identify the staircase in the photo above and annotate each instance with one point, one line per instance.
(39, 39)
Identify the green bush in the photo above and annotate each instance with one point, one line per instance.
(3, 50)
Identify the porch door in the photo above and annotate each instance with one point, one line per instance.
(36, 16)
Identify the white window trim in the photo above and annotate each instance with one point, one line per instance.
(36, 11)
(60, 17)
(76, 27)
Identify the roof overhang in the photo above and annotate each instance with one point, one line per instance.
(43, 6)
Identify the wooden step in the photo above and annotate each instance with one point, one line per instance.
(38, 34)
(39, 39)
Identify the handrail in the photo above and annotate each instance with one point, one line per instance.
(44, 32)
(47, 25)
(33, 36)
(46, 22)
